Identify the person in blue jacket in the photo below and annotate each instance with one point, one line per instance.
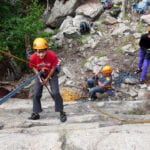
(144, 55)
(101, 82)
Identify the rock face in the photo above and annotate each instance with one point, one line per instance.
(87, 128)
(57, 15)
(91, 9)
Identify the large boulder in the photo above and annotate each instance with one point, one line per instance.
(60, 11)
(92, 9)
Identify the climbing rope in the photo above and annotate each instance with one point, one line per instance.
(10, 94)
(25, 83)
(116, 118)
(122, 76)
(118, 82)
(15, 57)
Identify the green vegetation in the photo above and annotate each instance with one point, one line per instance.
(137, 111)
(83, 62)
(119, 48)
(18, 20)
(103, 118)
(101, 54)
(140, 27)
(99, 27)
(126, 16)
(82, 39)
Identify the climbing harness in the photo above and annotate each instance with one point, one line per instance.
(25, 83)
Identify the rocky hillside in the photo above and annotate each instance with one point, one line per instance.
(111, 41)
(121, 119)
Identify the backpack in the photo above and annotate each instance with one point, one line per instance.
(141, 7)
(84, 27)
(115, 10)
(107, 4)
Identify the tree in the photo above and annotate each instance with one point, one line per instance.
(16, 25)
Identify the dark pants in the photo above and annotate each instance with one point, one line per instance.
(142, 54)
(38, 89)
(145, 69)
(143, 63)
(94, 88)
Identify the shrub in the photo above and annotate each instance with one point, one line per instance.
(15, 25)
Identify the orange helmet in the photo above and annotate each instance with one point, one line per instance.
(107, 69)
(40, 43)
(148, 28)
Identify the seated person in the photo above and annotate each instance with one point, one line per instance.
(101, 82)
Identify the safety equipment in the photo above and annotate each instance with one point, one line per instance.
(107, 69)
(148, 28)
(21, 86)
(40, 43)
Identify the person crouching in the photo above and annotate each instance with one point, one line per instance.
(101, 82)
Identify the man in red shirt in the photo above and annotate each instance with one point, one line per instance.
(47, 61)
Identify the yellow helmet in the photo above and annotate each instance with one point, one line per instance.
(107, 69)
(148, 28)
(40, 43)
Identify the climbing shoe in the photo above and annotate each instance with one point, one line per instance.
(63, 116)
(34, 116)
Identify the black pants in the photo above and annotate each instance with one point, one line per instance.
(38, 89)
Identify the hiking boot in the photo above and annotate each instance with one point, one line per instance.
(138, 71)
(102, 95)
(63, 116)
(34, 116)
(141, 81)
(93, 98)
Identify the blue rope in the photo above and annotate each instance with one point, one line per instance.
(25, 83)
(122, 76)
